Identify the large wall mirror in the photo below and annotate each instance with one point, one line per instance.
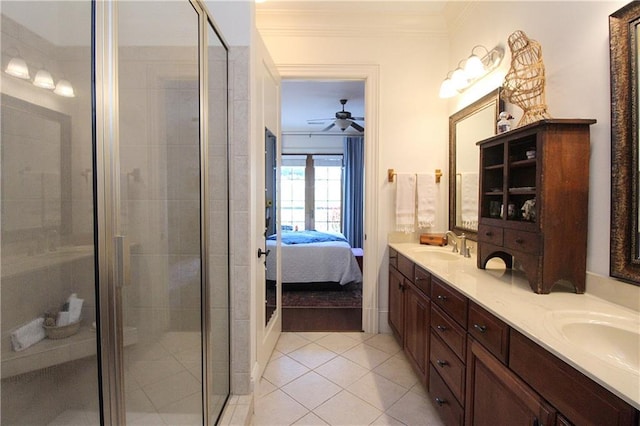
(36, 184)
(625, 251)
(471, 124)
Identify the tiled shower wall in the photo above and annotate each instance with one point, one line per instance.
(240, 178)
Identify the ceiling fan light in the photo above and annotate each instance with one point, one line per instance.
(342, 123)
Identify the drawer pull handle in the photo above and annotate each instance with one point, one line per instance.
(442, 363)
(480, 328)
(488, 233)
(440, 401)
(441, 328)
(519, 240)
(441, 297)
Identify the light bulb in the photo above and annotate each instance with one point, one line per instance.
(459, 79)
(342, 124)
(43, 79)
(447, 90)
(64, 88)
(18, 68)
(474, 67)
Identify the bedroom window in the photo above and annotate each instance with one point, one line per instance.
(311, 188)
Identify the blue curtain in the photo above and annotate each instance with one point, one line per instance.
(353, 190)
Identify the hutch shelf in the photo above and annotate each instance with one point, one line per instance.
(534, 188)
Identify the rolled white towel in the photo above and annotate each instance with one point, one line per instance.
(75, 308)
(27, 334)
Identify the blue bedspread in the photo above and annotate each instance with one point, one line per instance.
(307, 237)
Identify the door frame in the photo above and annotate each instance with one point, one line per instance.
(370, 75)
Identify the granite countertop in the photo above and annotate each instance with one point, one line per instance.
(578, 328)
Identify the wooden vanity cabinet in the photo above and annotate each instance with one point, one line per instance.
(580, 400)
(447, 379)
(492, 332)
(497, 396)
(478, 370)
(409, 310)
(396, 304)
(416, 326)
(547, 162)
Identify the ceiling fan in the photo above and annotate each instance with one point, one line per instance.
(343, 120)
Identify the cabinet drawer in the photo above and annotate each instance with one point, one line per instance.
(526, 242)
(447, 364)
(581, 400)
(393, 257)
(448, 408)
(405, 266)
(490, 234)
(452, 302)
(492, 332)
(449, 331)
(422, 280)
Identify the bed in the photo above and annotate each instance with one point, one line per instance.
(313, 257)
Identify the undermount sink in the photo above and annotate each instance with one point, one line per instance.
(437, 253)
(614, 339)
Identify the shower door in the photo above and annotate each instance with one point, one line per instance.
(165, 80)
(163, 212)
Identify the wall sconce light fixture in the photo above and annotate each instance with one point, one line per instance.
(17, 67)
(43, 79)
(471, 70)
(64, 88)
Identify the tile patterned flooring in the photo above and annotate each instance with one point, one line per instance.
(340, 379)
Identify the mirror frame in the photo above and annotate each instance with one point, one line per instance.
(624, 262)
(492, 97)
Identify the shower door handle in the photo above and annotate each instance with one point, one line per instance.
(123, 261)
(265, 253)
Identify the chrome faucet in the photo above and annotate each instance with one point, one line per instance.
(464, 248)
(453, 242)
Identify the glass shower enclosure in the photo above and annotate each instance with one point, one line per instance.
(114, 223)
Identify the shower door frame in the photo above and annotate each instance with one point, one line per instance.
(112, 266)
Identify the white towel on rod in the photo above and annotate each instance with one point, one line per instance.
(426, 200)
(469, 195)
(27, 334)
(405, 202)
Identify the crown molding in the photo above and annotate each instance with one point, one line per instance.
(326, 23)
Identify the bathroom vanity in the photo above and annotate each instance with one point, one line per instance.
(490, 351)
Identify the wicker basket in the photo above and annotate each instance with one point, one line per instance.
(55, 332)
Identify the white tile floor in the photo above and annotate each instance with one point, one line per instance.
(340, 379)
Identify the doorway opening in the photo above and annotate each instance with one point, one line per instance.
(322, 204)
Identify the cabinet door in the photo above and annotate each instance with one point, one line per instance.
(496, 396)
(396, 303)
(416, 327)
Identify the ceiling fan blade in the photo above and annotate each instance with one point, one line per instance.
(358, 118)
(328, 127)
(357, 126)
